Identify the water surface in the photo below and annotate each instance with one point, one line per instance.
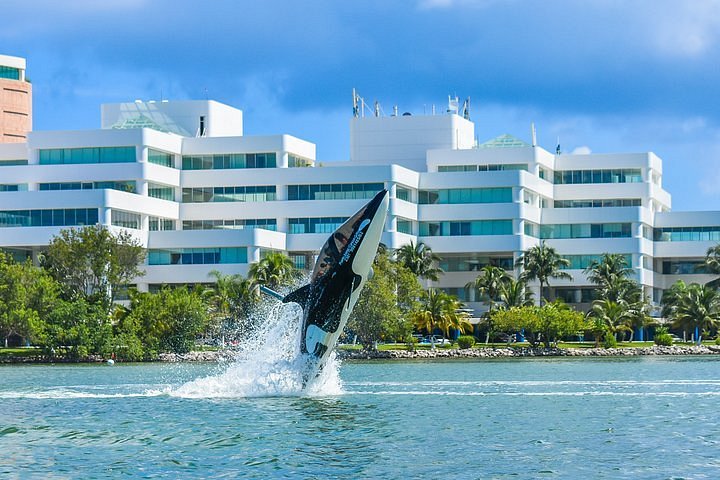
(649, 417)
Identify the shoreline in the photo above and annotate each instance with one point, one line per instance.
(528, 352)
(455, 353)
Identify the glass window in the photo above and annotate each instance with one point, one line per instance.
(160, 158)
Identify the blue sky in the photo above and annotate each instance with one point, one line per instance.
(602, 75)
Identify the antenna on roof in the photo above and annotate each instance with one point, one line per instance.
(356, 112)
(557, 149)
(533, 134)
(466, 109)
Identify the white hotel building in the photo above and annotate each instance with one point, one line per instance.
(201, 196)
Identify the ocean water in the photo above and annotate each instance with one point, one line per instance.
(652, 417)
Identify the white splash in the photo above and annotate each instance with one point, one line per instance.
(268, 364)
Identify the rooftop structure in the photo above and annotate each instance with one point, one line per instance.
(15, 100)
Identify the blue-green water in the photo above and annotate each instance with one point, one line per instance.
(654, 417)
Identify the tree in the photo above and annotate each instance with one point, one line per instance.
(692, 307)
(382, 311)
(490, 284)
(78, 328)
(613, 315)
(542, 263)
(514, 293)
(420, 260)
(27, 295)
(274, 270)
(232, 300)
(168, 321)
(610, 274)
(439, 310)
(712, 264)
(545, 324)
(92, 262)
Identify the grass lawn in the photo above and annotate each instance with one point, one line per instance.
(19, 352)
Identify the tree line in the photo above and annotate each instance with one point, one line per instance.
(67, 306)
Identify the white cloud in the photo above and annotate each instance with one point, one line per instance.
(685, 29)
(582, 150)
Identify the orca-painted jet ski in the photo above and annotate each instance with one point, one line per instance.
(341, 270)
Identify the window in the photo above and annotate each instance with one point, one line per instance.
(160, 224)
(68, 217)
(531, 229)
(10, 163)
(295, 161)
(624, 175)
(337, 191)
(58, 156)
(261, 193)
(683, 267)
(581, 262)
(616, 202)
(197, 256)
(465, 195)
(13, 187)
(163, 192)
(121, 185)
(586, 230)
(404, 226)
(120, 218)
(475, 227)
(474, 263)
(229, 160)
(9, 72)
(402, 193)
(315, 225)
(160, 158)
(482, 168)
(687, 234)
(232, 224)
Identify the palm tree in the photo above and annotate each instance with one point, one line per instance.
(609, 274)
(489, 284)
(274, 270)
(693, 306)
(712, 264)
(542, 263)
(614, 316)
(514, 293)
(232, 299)
(440, 310)
(420, 260)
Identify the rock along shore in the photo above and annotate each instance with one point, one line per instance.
(479, 353)
(528, 352)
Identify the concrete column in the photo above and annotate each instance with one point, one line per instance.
(518, 226)
(142, 187)
(253, 254)
(105, 216)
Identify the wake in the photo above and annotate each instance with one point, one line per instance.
(269, 364)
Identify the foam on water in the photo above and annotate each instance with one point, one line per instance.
(268, 364)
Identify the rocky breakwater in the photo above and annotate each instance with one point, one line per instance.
(206, 356)
(526, 352)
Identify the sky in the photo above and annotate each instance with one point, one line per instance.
(602, 76)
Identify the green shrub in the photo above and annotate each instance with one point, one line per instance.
(717, 340)
(662, 337)
(610, 341)
(466, 341)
